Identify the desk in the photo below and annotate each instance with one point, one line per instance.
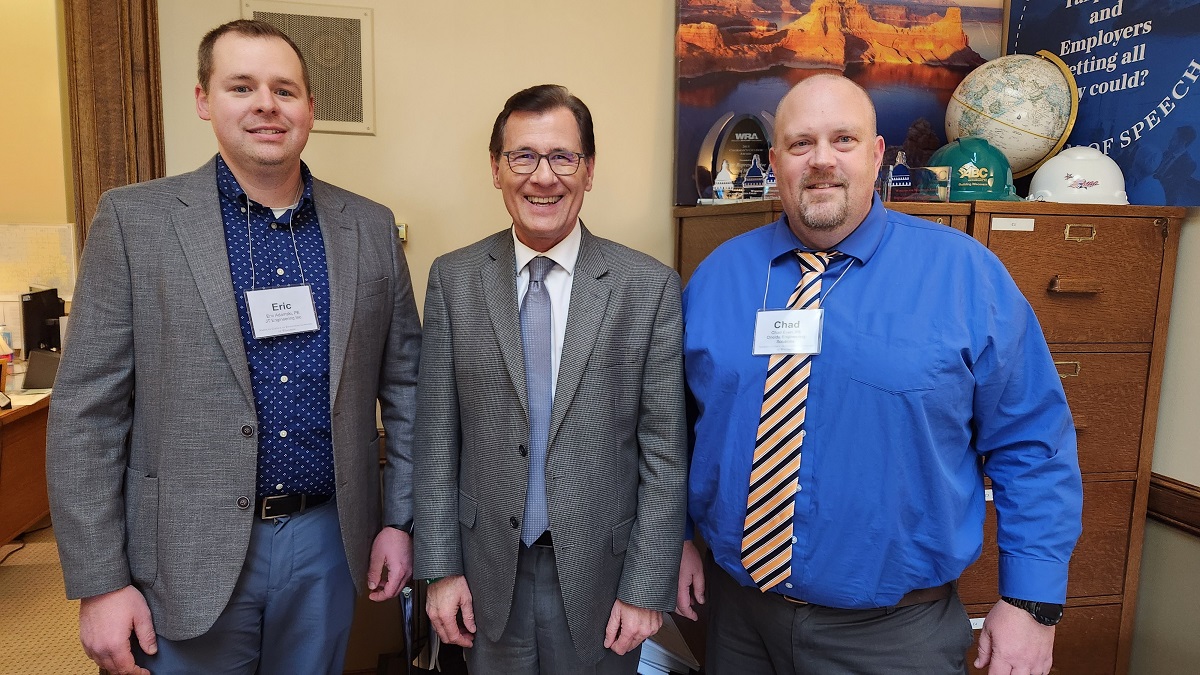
(23, 498)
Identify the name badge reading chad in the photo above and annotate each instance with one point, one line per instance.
(284, 310)
(788, 331)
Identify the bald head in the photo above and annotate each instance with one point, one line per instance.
(823, 80)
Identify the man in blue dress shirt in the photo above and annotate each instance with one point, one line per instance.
(213, 453)
(918, 368)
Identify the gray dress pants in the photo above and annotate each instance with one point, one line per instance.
(751, 632)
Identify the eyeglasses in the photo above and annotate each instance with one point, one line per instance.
(562, 162)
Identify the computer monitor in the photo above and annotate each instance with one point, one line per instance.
(40, 311)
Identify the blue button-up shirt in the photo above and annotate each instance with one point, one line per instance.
(932, 361)
(289, 373)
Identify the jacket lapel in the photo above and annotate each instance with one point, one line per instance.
(500, 288)
(340, 235)
(201, 234)
(589, 301)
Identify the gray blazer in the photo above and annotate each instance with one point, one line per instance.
(152, 445)
(616, 459)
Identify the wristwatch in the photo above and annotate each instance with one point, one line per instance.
(1045, 613)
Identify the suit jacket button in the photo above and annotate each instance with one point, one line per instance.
(247, 430)
(243, 503)
(514, 522)
(524, 450)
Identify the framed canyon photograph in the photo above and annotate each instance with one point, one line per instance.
(736, 58)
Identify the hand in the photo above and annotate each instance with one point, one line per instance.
(691, 582)
(1014, 643)
(628, 626)
(105, 622)
(444, 599)
(392, 551)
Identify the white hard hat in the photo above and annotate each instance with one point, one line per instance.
(1079, 175)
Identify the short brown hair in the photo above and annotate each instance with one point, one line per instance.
(540, 99)
(247, 28)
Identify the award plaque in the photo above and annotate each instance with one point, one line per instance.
(734, 160)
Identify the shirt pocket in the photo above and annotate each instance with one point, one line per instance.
(897, 353)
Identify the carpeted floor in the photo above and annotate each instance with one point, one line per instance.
(39, 630)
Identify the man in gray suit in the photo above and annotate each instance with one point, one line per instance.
(550, 467)
(213, 458)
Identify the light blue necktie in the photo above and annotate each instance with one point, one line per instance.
(536, 339)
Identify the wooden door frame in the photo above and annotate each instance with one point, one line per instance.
(113, 75)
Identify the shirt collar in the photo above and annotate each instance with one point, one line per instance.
(860, 244)
(231, 189)
(564, 253)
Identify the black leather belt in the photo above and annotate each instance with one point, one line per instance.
(278, 506)
(917, 597)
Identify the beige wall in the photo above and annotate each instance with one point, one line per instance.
(34, 176)
(1177, 442)
(1165, 640)
(442, 73)
(1168, 614)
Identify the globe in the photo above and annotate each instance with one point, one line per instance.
(1023, 104)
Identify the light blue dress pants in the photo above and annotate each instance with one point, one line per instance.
(290, 611)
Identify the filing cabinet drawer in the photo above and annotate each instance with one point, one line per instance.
(1107, 395)
(1098, 562)
(951, 214)
(1089, 278)
(1085, 641)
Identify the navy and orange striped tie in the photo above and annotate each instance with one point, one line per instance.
(774, 477)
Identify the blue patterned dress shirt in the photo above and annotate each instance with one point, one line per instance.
(289, 373)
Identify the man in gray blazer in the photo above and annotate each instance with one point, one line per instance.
(550, 442)
(213, 458)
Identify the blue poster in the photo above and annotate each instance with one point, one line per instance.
(1137, 65)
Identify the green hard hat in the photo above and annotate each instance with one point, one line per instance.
(977, 170)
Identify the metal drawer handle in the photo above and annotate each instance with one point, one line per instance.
(1078, 232)
(1067, 368)
(1069, 285)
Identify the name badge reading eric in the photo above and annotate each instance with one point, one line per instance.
(788, 331)
(284, 310)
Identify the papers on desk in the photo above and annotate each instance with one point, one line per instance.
(666, 652)
(22, 397)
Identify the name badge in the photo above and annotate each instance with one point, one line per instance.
(788, 331)
(283, 310)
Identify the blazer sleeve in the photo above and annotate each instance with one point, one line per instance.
(436, 542)
(651, 569)
(91, 414)
(397, 392)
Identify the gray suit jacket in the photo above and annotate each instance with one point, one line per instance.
(152, 445)
(616, 459)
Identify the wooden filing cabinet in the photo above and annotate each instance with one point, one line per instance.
(1099, 278)
(700, 229)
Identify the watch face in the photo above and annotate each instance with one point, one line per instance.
(1049, 613)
